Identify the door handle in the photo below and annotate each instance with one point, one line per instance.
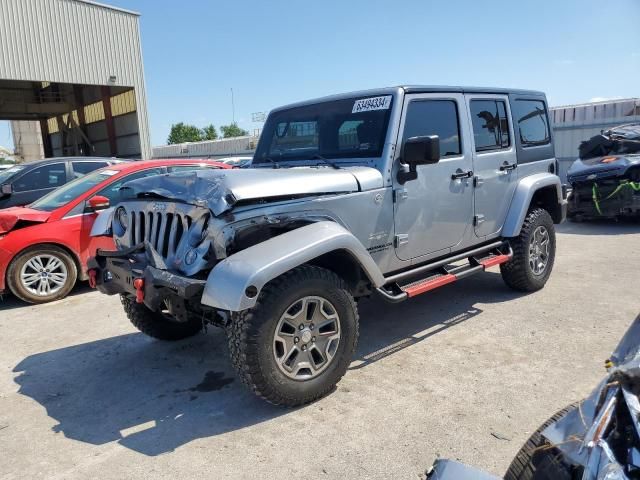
(460, 174)
(507, 167)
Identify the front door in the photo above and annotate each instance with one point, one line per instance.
(494, 161)
(433, 212)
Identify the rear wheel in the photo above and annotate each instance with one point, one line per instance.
(170, 323)
(534, 252)
(41, 274)
(296, 343)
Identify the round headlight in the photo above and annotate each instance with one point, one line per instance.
(122, 218)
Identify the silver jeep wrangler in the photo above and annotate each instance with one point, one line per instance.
(392, 192)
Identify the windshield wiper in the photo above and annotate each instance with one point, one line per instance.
(328, 162)
(272, 161)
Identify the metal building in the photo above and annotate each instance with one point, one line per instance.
(225, 147)
(573, 124)
(75, 67)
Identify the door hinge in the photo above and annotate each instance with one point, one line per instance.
(400, 194)
(402, 239)
(477, 181)
(478, 219)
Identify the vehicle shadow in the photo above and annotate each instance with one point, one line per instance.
(153, 397)
(9, 302)
(600, 227)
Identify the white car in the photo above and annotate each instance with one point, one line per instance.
(238, 162)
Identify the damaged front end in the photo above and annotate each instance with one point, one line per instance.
(605, 180)
(597, 439)
(164, 252)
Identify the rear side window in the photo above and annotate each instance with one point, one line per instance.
(434, 117)
(490, 125)
(47, 176)
(82, 168)
(532, 123)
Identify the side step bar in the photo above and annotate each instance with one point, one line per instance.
(439, 274)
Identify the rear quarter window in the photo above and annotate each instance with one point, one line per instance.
(532, 122)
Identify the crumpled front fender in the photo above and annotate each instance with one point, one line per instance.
(102, 224)
(229, 281)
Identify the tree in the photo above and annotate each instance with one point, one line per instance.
(181, 133)
(209, 132)
(232, 130)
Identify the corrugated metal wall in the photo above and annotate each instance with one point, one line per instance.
(573, 124)
(73, 41)
(209, 149)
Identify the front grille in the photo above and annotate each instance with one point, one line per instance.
(163, 230)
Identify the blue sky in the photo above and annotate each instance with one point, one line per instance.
(276, 52)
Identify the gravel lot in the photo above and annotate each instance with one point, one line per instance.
(465, 372)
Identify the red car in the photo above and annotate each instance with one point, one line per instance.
(44, 247)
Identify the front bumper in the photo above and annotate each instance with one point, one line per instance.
(116, 273)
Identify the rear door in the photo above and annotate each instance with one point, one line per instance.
(494, 160)
(433, 212)
(37, 182)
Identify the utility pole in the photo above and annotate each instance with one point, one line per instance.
(233, 108)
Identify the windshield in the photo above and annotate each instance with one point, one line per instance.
(72, 190)
(9, 172)
(349, 128)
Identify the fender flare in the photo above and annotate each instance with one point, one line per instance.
(524, 192)
(255, 266)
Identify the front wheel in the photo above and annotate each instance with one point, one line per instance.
(296, 343)
(534, 252)
(170, 323)
(41, 274)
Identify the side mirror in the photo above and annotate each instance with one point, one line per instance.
(98, 202)
(6, 190)
(424, 150)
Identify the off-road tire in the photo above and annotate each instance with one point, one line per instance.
(156, 325)
(13, 273)
(251, 333)
(517, 272)
(538, 459)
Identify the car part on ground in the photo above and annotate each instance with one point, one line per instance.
(595, 439)
(353, 203)
(605, 180)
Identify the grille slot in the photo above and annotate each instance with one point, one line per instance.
(163, 230)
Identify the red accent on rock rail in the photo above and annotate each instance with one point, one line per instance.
(427, 285)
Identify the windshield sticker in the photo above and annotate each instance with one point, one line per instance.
(108, 173)
(370, 104)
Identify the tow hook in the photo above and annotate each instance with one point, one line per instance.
(92, 278)
(138, 284)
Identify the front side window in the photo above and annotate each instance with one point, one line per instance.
(530, 117)
(47, 176)
(490, 124)
(347, 128)
(434, 117)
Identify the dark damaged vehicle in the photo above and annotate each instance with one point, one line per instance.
(393, 192)
(596, 439)
(605, 180)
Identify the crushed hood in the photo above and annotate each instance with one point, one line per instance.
(9, 217)
(601, 167)
(220, 190)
